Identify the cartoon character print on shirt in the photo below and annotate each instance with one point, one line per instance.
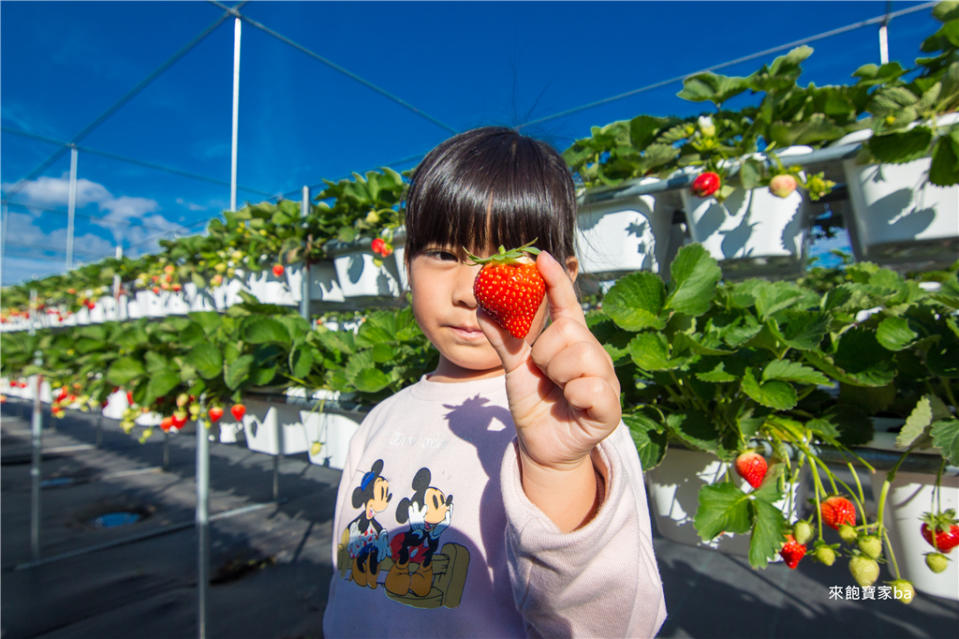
(410, 580)
(365, 540)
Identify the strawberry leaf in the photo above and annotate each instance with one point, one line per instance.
(774, 394)
(693, 283)
(722, 507)
(238, 371)
(945, 436)
(206, 359)
(124, 370)
(636, 302)
(767, 533)
(793, 372)
(894, 334)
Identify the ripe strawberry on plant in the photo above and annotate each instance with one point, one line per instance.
(752, 467)
(837, 511)
(792, 551)
(510, 288)
(941, 530)
(166, 424)
(706, 184)
(215, 413)
(278, 270)
(238, 410)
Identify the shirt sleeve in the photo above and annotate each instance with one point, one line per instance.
(600, 580)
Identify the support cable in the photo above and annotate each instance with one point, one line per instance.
(752, 56)
(143, 163)
(129, 95)
(336, 67)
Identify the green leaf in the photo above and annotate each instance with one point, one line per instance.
(370, 380)
(917, 422)
(944, 167)
(301, 360)
(125, 370)
(636, 302)
(155, 361)
(894, 334)
(651, 352)
(863, 360)
(767, 534)
(695, 429)
(714, 88)
(945, 436)
(206, 359)
(649, 437)
(693, 284)
(238, 371)
(794, 372)
(773, 394)
(722, 507)
(264, 330)
(160, 383)
(897, 148)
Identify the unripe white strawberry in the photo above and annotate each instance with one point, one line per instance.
(782, 185)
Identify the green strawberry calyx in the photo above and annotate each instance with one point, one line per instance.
(503, 256)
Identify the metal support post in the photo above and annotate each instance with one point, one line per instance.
(237, 29)
(120, 315)
(884, 37)
(71, 205)
(36, 431)
(202, 524)
(305, 283)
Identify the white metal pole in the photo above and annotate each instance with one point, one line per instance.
(116, 286)
(71, 205)
(36, 431)
(305, 283)
(202, 524)
(884, 43)
(237, 28)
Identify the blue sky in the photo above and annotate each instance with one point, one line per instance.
(63, 65)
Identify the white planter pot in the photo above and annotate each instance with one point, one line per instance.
(148, 419)
(624, 235)
(752, 231)
(895, 215)
(82, 316)
(358, 276)
(324, 286)
(174, 303)
(230, 432)
(228, 293)
(270, 289)
(910, 495)
(673, 489)
(333, 431)
(116, 405)
(136, 306)
(198, 299)
(274, 428)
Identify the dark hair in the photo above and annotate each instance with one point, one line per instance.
(489, 187)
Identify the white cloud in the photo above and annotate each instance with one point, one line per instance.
(48, 192)
(191, 206)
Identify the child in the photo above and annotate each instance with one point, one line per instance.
(550, 534)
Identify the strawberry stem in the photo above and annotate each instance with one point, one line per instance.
(502, 256)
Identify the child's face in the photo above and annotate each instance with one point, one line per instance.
(445, 308)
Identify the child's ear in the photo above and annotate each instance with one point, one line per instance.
(572, 267)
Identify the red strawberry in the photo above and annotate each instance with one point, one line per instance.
(751, 466)
(166, 424)
(216, 413)
(130, 398)
(179, 419)
(378, 245)
(238, 410)
(782, 185)
(509, 288)
(837, 511)
(944, 526)
(792, 551)
(706, 184)
(278, 270)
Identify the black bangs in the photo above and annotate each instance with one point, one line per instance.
(491, 187)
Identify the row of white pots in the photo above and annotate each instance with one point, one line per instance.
(305, 423)
(673, 489)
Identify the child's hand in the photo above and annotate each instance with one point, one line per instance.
(563, 395)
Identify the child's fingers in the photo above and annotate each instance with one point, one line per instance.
(512, 351)
(559, 289)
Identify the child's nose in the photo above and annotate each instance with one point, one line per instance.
(463, 286)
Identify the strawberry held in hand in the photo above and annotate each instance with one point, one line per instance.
(751, 466)
(510, 288)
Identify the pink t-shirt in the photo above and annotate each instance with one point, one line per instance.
(451, 547)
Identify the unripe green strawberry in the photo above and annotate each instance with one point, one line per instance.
(903, 590)
(871, 546)
(864, 570)
(848, 534)
(936, 561)
(803, 531)
(782, 185)
(825, 554)
(510, 288)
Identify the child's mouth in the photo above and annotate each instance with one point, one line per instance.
(468, 333)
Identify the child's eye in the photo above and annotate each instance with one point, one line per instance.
(440, 254)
